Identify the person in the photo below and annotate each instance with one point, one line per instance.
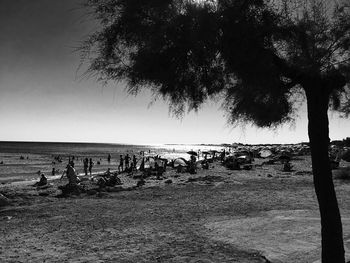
(42, 182)
(109, 157)
(71, 175)
(86, 165)
(121, 164)
(127, 160)
(53, 172)
(71, 162)
(287, 167)
(134, 161)
(107, 173)
(205, 164)
(114, 180)
(192, 165)
(193, 159)
(222, 156)
(91, 164)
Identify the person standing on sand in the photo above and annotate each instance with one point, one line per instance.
(91, 164)
(127, 161)
(86, 165)
(121, 164)
(109, 158)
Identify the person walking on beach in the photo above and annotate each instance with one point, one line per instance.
(91, 164)
(86, 165)
(121, 164)
(127, 161)
(109, 158)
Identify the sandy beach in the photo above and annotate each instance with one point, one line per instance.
(216, 215)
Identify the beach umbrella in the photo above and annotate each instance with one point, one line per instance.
(265, 153)
(180, 162)
(192, 153)
(346, 156)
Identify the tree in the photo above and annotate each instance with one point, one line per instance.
(257, 55)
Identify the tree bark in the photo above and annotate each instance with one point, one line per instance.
(331, 225)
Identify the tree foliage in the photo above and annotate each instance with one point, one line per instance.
(253, 54)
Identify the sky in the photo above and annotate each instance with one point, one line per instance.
(44, 97)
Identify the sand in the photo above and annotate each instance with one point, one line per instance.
(217, 215)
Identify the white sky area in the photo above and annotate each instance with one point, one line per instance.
(43, 99)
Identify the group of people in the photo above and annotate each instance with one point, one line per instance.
(88, 164)
(127, 163)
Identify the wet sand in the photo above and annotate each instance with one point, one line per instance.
(217, 215)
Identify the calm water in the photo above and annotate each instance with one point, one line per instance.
(39, 156)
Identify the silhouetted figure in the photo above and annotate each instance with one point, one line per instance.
(127, 161)
(192, 168)
(42, 182)
(91, 164)
(86, 165)
(71, 162)
(71, 175)
(205, 164)
(134, 161)
(121, 164)
(109, 158)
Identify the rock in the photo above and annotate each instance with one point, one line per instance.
(269, 175)
(4, 201)
(169, 181)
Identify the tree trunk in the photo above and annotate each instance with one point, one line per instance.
(331, 225)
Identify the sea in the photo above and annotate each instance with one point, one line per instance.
(24, 161)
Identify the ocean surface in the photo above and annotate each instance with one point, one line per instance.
(22, 161)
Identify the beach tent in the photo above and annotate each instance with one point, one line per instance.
(265, 153)
(180, 162)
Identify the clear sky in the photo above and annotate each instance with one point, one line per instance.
(42, 98)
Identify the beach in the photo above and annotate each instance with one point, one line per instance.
(216, 215)
(23, 160)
